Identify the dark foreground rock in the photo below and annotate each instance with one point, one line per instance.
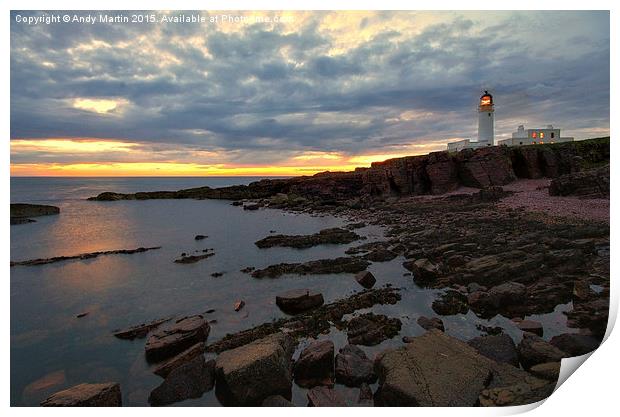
(189, 380)
(299, 300)
(353, 367)
(334, 235)
(315, 365)
(312, 323)
(182, 358)
(431, 323)
(277, 401)
(533, 351)
(575, 344)
(500, 348)
(248, 374)
(82, 256)
(593, 183)
(325, 397)
(87, 395)
(371, 329)
(439, 370)
(549, 371)
(175, 338)
(141, 330)
(322, 266)
(192, 259)
(366, 279)
(20, 212)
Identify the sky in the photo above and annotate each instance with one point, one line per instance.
(310, 92)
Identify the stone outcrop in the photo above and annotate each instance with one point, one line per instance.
(575, 344)
(189, 380)
(177, 337)
(87, 395)
(249, 374)
(428, 323)
(182, 358)
(299, 300)
(366, 279)
(533, 351)
(325, 397)
(353, 367)
(371, 329)
(591, 184)
(277, 401)
(21, 213)
(315, 365)
(500, 348)
(140, 331)
(82, 256)
(334, 235)
(438, 370)
(340, 265)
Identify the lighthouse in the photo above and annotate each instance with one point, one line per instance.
(486, 120)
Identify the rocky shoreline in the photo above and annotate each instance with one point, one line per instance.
(481, 255)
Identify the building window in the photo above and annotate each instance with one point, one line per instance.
(552, 135)
(489, 114)
(542, 135)
(520, 143)
(533, 135)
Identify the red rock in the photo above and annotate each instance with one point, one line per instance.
(87, 395)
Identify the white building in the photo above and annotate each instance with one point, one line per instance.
(486, 126)
(535, 136)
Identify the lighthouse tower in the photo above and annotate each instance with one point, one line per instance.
(486, 120)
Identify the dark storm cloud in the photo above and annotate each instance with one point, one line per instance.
(265, 89)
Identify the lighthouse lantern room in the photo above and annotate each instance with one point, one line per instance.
(486, 120)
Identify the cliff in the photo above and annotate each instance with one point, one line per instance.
(435, 173)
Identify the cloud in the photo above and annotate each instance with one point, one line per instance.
(351, 83)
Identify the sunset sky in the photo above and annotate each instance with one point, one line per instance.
(321, 91)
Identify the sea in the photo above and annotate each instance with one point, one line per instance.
(52, 349)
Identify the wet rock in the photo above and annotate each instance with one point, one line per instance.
(424, 271)
(141, 330)
(177, 337)
(239, 305)
(82, 256)
(322, 266)
(450, 303)
(371, 329)
(192, 259)
(366, 279)
(84, 314)
(217, 274)
(531, 326)
(315, 365)
(500, 348)
(474, 286)
(380, 255)
(251, 207)
(438, 370)
(189, 380)
(20, 212)
(582, 291)
(247, 269)
(353, 367)
(87, 395)
(325, 397)
(593, 183)
(327, 236)
(277, 401)
(365, 397)
(248, 374)
(200, 237)
(430, 323)
(549, 371)
(509, 293)
(533, 351)
(182, 358)
(299, 300)
(575, 344)
(532, 391)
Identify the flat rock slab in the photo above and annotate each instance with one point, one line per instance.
(366, 279)
(371, 329)
(190, 380)
(326, 236)
(182, 358)
(250, 373)
(141, 330)
(575, 344)
(277, 401)
(174, 339)
(438, 370)
(533, 351)
(315, 365)
(531, 326)
(340, 265)
(87, 395)
(500, 348)
(299, 300)
(428, 323)
(325, 397)
(353, 368)
(549, 371)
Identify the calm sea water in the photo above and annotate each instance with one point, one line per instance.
(52, 349)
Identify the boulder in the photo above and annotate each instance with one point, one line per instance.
(366, 279)
(431, 323)
(531, 326)
(277, 401)
(365, 397)
(87, 395)
(549, 370)
(380, 255)
(438, 370)
(315, 365)
(500, 348)
(533, 350)
(593, 183)
(182, 358)
(371, 329)
(575, 344)
(189, 380)
(174, 339)
(299, 300)
(450, 303)
(424, 271)
(353, 367)
(250, 373)
(325, 397)
(509, 293)
(339, 265)
(326, 236)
